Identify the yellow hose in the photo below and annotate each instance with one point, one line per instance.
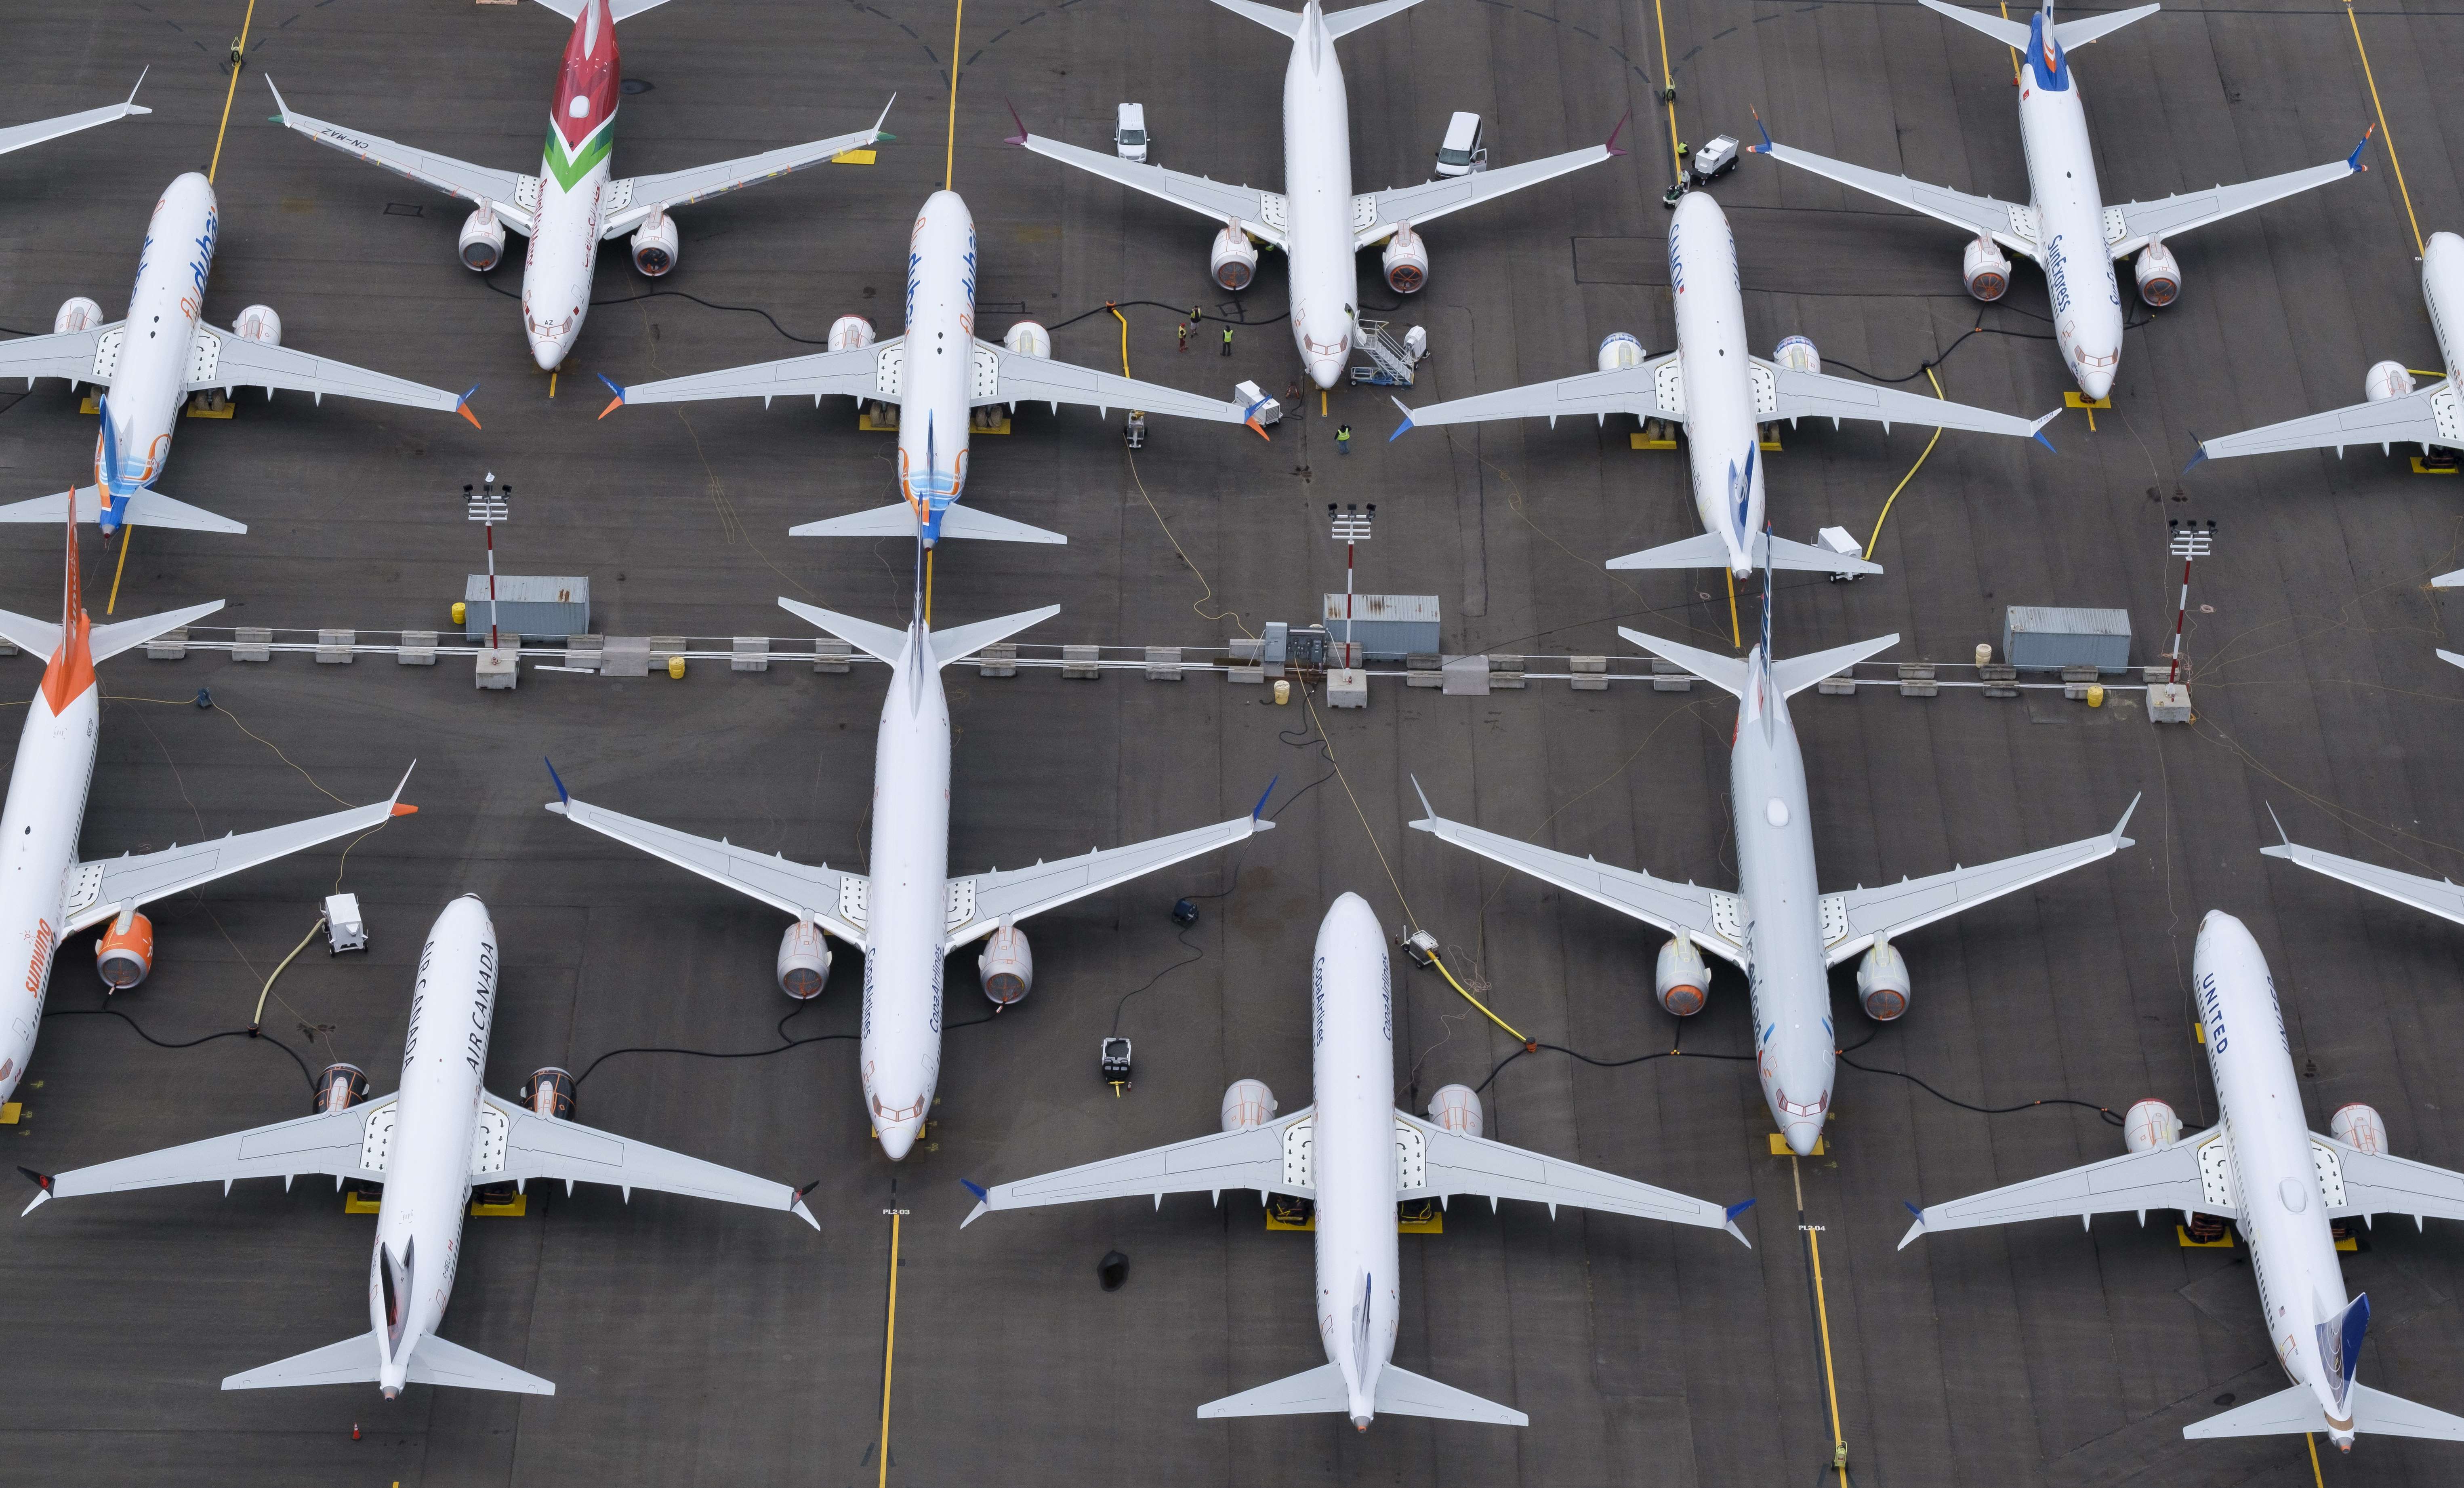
(1910, 475)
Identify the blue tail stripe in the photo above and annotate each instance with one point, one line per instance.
(2356, 1322)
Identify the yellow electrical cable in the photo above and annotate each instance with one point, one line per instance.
(1668, 91)
(949, 153)
(1469, 998)
(259, 1021)
(1125, 335)
(1868, 554)
(241, 48)
(1830, 1382)
(2368, 77)
(888, 1346)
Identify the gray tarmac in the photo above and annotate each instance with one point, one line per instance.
(696, 1343)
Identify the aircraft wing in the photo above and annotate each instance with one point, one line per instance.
(513, 197)
(647, 194)
(542, 1147)
(866, 372)
(2433, 895)
(16, 137)
(69, 354)
(1017, 378)
(99, 890)
(1819, 395)
(1678, 908)
(2159, 1178)
(1459, 1164)
(831, 898)
(2013, 226)
(2375, 1183)
(1864, 916)
(231, 362)
(982, 903)
(1256, 213)
(1252, 1158)
(1375, 216)
(2142, 222)
(2430, 415)
(327, 1143)
(1654, 389)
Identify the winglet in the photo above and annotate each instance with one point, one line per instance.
(396, 803)
(42, 1182)
(1914, 1230)
(2036, 430)
(1259, 810)
(282, 116)
(2195, 459)
(1249, 417)
(1733, 1211)
(2352, 161)
(1407, 421)
(1018, 138)
(983, 1202)
(2280, 835)
(1765, 147)
(796, 1203)
(1425, 801)
(1621, 123)
(2119, 839)
(131, 104)
(462, 405)
(564, 796)
(884, 119)
(615, 388)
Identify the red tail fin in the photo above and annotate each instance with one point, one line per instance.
(74, 599)
(72, 667)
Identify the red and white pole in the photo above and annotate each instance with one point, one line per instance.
(2180, 613)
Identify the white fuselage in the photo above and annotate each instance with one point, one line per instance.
(1722, 443)
(428, 1166)
(149, 381)
(1317, 196)
(936, 378)
(2442, 291)
(44, 813)
(906, 903)
(1787, 968)
(2275, 1176)
(575, 169)
(2069, 215)
(1352, 1148)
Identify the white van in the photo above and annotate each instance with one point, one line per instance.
(1462, 152)
(1130, 132)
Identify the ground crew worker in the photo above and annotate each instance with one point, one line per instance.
(1342, 437)
(1227, 340)
(1184, 335)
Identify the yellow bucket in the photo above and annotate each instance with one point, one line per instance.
(460, 610)
(2096, 694)
(1282, 692)
(676, 668)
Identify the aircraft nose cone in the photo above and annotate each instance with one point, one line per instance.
(1802, 1136)
(898, 1139)
(1326, 371)
(548, 351)
(2095, 385)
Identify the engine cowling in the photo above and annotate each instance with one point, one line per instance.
(258, 324)
(1882, 983)
(1007, 967)
(1028, 339)
(1681, 980)
(482, 245)
(1985, 269)
(1247, 1104)
(124, 954)
(1619, 350)
(2384, 380)
(2160, 275)
(78, 313)
(1456, 1108)
(552, 1092)
(339, 1088)
(656, 245)
(850, 333)
(1798, 354)
(804, 961)
(1233, 262)
(2149, 1124)
(2357, 1125)
(1406, 261)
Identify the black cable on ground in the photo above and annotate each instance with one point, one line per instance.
(2111, 1117)
(784, 1044)
(678, 294)
(305, 1074)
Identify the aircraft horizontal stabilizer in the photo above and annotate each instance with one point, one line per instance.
(1305, 1393)
(1793, 675)
(878, 641)
(436, 1362)
(1702, 550)
(1401, 1392)
(898, 519)
(965, 521)
(1725, 673)
(965, 640)
(1808, 558)
(34, 637)
(2295, 1409)
(146, 510)
(354, 1360)
(621, 9)
(106, 641)
(2009, 32)
(2079, 34)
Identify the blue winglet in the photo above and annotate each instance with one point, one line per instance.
(2047, 443)
(2353, 162)
(1261, 807)
(1911, 1205)
(1734, 1210)
(561, 794)
(2195, 459)
(1766, 148)
(1402, 431)
(613, 386)
(976, 1188)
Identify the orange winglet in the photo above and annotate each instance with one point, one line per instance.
(613, 404)
(465, 411)
(404, 808)
(1262, 430)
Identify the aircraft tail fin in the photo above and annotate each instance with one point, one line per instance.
(1401, 1392)
(2295, 1409)
(2009, 32)
(2073, 35)
(1725, 673)
(1793, 675)
(2340, 1343)
(108, 641)
(965, 640)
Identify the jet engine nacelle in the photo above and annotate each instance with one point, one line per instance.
(1406, 261)
(1882, 981)
(125, 953)
(2150, 1125)
(655, 245)
(1006, 968)
(483, 241)
(2383, 381)
(1028, 339)
(2160, 275)
(2357, 1125)
(1234, 261)
(258, 324)
(551, 1092)
(1247, 1104)
(339, 1088)
(804, 961)
(1456, 1108)
(850, 333)
(1681, 980)
(78, 313)
(1985, 269)
(1619, 350)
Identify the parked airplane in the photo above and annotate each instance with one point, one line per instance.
(2066, 226)
(2260, 1168)
(1721, 393)
(909, 914)
(48, 893)
(1778, 928)
(16, 137)
(162, 353)
(2393, 412)
(1355, 1156)
(934, 394)
(1316, 220)
(574, 203)
(438, 1137)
